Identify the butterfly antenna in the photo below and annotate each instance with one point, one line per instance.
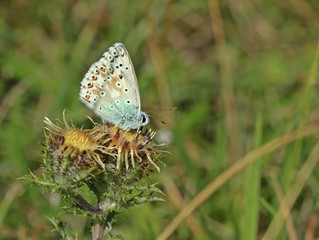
(157, 119)
(165, 109)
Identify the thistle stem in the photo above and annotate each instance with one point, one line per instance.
(98, 229)
(105, 219)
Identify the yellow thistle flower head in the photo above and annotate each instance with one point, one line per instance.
(69, 150)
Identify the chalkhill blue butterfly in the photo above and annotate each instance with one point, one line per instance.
(110, 89)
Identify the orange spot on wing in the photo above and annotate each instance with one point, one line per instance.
(87, 98)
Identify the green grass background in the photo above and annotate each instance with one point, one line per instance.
(241, 73)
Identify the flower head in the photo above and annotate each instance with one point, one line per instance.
(99, 171)
(71, 150)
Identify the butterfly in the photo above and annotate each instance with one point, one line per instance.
(110, 89)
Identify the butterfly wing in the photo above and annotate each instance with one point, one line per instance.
(126, 66)
(110, 89)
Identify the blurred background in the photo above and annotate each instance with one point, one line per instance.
(237, 72)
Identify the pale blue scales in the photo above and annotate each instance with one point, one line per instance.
(110, 89)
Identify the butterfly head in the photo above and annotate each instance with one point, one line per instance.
(135, 122)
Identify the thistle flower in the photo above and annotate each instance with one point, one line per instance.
(107, 161)
(128, 145)
(103, 146)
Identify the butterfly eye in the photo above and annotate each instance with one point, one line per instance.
(97, 71)
(94, 78)
(103, 69)
(90, 85)
(145, 119)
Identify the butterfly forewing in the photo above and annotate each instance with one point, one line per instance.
(124, 63)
